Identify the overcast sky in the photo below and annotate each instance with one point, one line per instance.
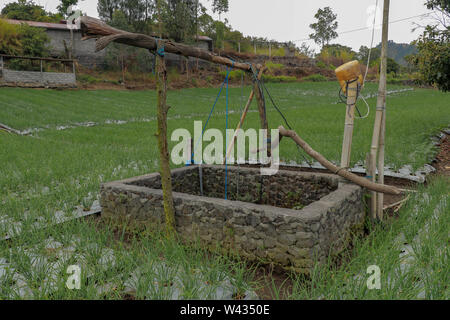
(289, 20)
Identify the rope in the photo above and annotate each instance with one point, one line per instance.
(371, 44)
(285, 120)
(160, 50)
(211, 112)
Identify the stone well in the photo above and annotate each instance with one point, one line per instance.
(290, 219)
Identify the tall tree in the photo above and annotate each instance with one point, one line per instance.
(106, 8)
(179, 18)
(64, 5)
(220, 6)
(28, 10)
(325, 27)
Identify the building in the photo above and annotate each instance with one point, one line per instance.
(84, 51)
(61, 40)
(205, 43)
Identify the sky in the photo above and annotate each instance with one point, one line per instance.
(289, 20)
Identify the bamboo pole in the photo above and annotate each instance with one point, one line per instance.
(336, 170)
(244, 115)
(380, 196)
(381, 103)
(352, 91)
(94, 28)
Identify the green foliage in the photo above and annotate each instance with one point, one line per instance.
(28, 10)
(34, 41)
(23, 40)
(139, 14)
(9, 39)
(363, 55)
(220, 6)
(180, 19)
(325, 27)
(272, 67)
(64, 5)
(392, 66)
(234, 74)
(336, 55)
(279, 79)
(433, 58)
(315, 78)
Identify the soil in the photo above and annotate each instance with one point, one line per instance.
(442, 161)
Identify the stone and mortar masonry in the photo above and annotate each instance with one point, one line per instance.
(330, 211)
(36, 78)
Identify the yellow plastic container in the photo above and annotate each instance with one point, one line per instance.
(348, 72)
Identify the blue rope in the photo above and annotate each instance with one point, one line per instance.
(225, 81)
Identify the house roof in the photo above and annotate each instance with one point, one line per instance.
(46, 25)
(204, 38)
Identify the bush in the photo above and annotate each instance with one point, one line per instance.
(278, 79)
(9, 39)
(315, 78)
(234, 74)
(272, 67)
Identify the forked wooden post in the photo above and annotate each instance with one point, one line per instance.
(163, 147)
(166, 178)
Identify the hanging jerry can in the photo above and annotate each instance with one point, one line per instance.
(348, 72)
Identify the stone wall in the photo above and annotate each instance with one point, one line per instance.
(37, 78)
(328, 211)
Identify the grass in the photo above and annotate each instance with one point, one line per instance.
(423, 224)
(59, 169)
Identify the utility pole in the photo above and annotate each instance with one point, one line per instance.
(377, 147)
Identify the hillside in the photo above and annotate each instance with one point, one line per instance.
(398, 51)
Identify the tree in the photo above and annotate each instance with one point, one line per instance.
(325, 27)
(363, 55)
(28, 10)
(106, 8)
(433, 58)
(64, 5)
(34, 41)
(180, 18)
(220, 6)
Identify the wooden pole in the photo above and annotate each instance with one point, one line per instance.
(380, 196)
(163, 108)
(352, 90)
(381, 105)
(336, 170)
(166, 178)
(244, 115)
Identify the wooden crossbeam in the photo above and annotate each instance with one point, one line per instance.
(94, 28)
